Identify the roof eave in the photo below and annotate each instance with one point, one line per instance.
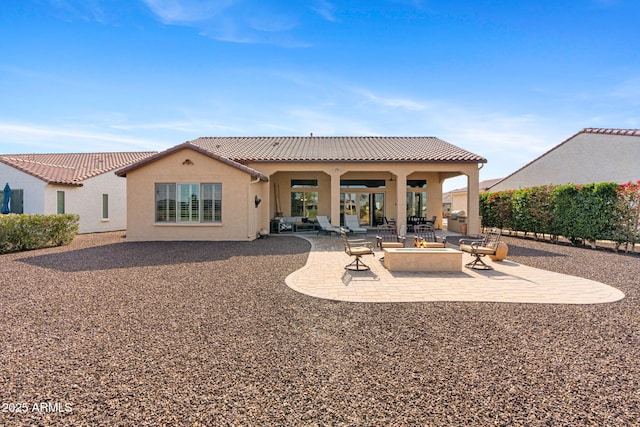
(480, 160)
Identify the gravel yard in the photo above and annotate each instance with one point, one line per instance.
(108, 333)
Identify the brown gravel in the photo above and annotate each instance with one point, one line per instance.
(109, 333)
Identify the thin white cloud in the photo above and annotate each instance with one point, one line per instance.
(323, 123)
(195, 127)
(389, 102)
(187, 11)
(61, 139)
(506, 139)
(236, 21)
(174, 126)
(86, 10)
(326, 10)
(33, 75)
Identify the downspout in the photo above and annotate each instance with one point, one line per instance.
(249, 206)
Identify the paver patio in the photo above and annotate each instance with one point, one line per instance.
(324, 277)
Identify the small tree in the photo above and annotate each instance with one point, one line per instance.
(504, 209)
(597, 211)
(564, 199)
(627, 228)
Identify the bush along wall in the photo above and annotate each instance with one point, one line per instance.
(580, 213)
(627, 228)
(26, 232)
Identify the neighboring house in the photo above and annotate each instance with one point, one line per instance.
(229, 188)
(459, 201)
(81, 183)
(589, 156)
(446, 203)
(458, 197)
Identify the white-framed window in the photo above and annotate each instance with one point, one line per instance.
(188, 203)
(60, 208)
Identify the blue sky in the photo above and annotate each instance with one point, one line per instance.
(504, 79)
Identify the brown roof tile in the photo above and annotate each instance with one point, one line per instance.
(71, 168)
(344, 148)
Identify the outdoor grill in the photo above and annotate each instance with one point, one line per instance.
(458, 213)
(458, 222)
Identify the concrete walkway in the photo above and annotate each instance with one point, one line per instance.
(324, 276)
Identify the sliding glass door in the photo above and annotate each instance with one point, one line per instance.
(367, 206)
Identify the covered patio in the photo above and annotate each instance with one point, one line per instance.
(375, 178)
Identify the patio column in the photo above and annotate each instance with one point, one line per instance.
(335, 197)
(473, 202)
(401, 200)
(434, 200)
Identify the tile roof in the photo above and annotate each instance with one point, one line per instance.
(123, 172)
(338, 148)
(70, 168)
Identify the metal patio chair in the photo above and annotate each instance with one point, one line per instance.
(479, 248)
(356, 248)
(425, 237)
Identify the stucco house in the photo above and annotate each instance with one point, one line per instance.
(458, 197)
(590, 156)
(458, 202)
(229, 188)
(79, 183)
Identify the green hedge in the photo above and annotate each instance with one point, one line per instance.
(580, 213)
(26, 232)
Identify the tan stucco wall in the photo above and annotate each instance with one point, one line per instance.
(240, 218)
(584, 159)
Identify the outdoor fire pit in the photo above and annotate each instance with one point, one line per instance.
(421, 259)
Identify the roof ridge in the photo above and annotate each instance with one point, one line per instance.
(613, 131)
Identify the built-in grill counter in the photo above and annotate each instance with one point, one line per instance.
(457, 222)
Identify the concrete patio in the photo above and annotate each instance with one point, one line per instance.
(324, 277)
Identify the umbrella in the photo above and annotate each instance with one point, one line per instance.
(6, 199)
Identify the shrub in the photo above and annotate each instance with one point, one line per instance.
(580, 213)
(496, 209)
(26, 232)
(627, 229)
(598, 211)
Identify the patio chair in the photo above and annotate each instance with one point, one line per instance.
(353, 225)
(387, 237)
(356, 248)
(479, 248)
(425, 237)
(325, 225)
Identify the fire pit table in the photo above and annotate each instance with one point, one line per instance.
(423, 259)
